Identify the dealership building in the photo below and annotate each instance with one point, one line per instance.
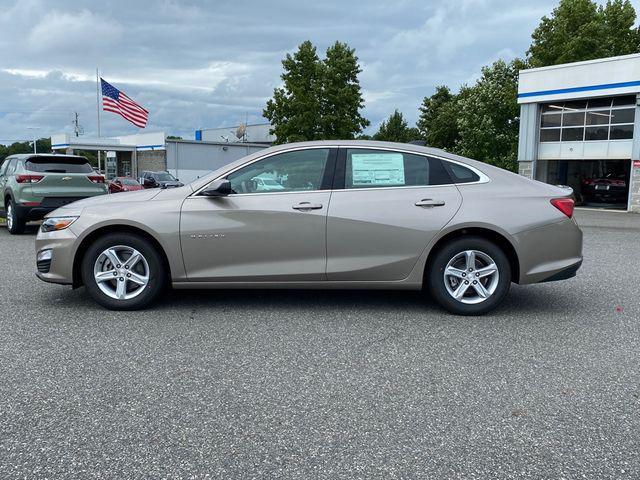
(579, 126)
(129, 155)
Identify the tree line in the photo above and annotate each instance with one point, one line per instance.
(322, 99)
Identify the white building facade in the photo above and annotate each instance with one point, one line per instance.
(580, 126)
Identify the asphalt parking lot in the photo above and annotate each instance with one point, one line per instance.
(326, 384)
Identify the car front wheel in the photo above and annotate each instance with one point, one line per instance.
(123, 271)
(469, 276)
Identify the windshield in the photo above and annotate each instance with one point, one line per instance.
(56, 164)
(128, 181)
(267, 181)
(164, 177)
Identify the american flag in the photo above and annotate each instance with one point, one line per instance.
(113, 100)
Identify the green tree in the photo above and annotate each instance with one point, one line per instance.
(620, 35)
(581, 30)
(319, 99)
(489, 116)
(396, 129)
(438, 120)
(43, 145)
(294, 110)
(341, 94)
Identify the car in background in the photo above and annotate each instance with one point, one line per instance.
(33, 185)
(267, 185)
(351, 214)
(124, 184)
(159, 180)
(610, 188)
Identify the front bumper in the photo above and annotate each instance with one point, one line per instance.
(62, 245)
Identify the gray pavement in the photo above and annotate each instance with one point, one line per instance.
(326, 384)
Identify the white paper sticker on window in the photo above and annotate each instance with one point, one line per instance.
(377, 169)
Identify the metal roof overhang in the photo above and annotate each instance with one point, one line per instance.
(111, 147)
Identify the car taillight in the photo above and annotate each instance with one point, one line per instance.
(29, 178)
(565, 205)
(96, 178)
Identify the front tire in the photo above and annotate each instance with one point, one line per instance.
(15, 223)
(469, 276)
(123, 271)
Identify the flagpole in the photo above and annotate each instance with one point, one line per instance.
(98, 111)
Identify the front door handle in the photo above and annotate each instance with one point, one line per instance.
(307, 206)
(429, 202)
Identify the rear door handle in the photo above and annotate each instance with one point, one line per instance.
(429, 202)
(307, 206)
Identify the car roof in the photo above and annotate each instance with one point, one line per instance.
(23, 156)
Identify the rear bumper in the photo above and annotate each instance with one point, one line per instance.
(46, 206)
(565, 274)
(550, 252)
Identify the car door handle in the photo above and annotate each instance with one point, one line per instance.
(429, 202)
(307, 206)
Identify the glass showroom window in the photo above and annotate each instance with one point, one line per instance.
(588, 120)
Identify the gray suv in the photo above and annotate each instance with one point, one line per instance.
(336, 214)
(34, 185)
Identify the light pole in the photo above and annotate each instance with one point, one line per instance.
(35, 148)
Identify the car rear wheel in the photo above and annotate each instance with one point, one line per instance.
(15, 223)
(122, 271)
(469, 276)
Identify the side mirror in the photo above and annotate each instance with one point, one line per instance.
(219, 188)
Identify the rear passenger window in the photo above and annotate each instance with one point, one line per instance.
(382, 168)
(461, 174)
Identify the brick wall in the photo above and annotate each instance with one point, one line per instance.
(154, 161)
(525, 169)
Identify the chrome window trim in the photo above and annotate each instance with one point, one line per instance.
(483, 178)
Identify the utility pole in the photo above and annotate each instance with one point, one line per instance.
(77, 128)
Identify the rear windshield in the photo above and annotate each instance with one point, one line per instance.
(164, 177)
(55, 164)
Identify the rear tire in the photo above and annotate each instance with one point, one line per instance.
(469, 276)
(123, 271)
(15, 223)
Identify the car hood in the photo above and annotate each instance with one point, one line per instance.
(124, 197)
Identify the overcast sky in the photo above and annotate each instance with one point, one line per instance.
(208, 64)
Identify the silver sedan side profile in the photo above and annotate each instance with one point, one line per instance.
(328, 214)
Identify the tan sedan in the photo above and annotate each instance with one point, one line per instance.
(332, 214)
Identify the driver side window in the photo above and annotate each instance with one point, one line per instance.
(285, 172)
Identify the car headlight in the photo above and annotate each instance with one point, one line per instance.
(54, 224)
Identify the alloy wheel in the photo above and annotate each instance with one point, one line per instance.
(471, 277)
(121, 272)
(10, 216)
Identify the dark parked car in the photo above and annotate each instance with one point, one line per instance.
(159, 180)
(611, 188)
(124, 184)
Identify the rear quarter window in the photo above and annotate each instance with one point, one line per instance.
(58, 165)
(460, 174)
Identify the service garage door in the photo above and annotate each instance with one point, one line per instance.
(596, 183)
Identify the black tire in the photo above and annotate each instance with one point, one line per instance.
(15, 223)
(157, 273)
(436, 281)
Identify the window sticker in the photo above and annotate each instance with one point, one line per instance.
(377, 169)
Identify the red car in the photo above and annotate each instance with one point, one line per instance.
(124, 184)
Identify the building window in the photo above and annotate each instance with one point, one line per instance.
(595, 119)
